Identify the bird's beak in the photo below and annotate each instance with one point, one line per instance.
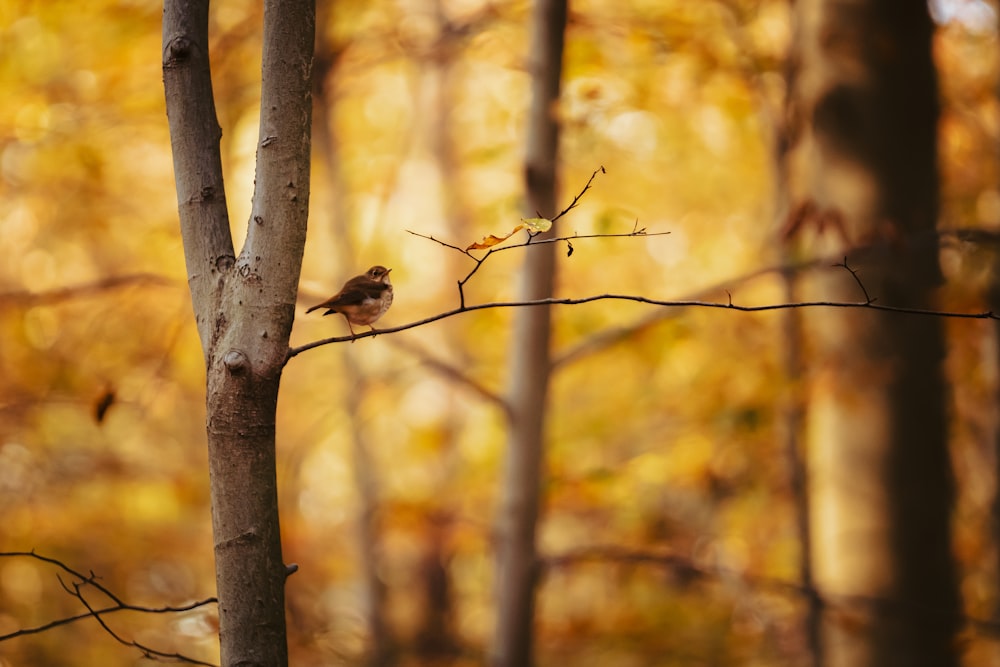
(388, 271)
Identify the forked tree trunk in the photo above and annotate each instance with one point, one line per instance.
(244, 305)
(529, 357)
(863, 104)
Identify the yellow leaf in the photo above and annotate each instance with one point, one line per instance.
(536, 225)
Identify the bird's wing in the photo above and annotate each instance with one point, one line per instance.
(353, 295)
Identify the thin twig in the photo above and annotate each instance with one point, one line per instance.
(439, 242)
(529, 241)
(105, 610)
(854, 274)
(146, 651)
(75, 589)
(576, 199)
(558, 239)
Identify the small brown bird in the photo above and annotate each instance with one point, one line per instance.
(363, 299)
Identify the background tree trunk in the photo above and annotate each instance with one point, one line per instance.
(333, 213)
(244, 305)
(793, 406)
(529, 357)
(863, 113)
(993, 301)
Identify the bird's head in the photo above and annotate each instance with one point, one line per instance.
(379, 274)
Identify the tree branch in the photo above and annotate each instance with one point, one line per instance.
(529, 241)
(576, 200)
(854, 274)
(467, 251)
(75, 589)
(983, 315)
(611, 336)
(685, 566)
(86, 289)
(453, 373)
(194, 136)
(622, 332)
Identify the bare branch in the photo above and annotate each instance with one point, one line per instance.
(146, 651)
(983, 315)
(86, 289)
(611, 336)
(75, 589)
(440, 242)
(854, 274)
(554, 239)
(567, 239)
(621, 333)
(576, 200)
(685, 566)
(453, 373)
(531, 239)
(105, 610)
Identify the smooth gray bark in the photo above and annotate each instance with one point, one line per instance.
(530, 359)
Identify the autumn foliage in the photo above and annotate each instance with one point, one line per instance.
(669, 531)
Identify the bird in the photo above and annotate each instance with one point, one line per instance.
(362, 300)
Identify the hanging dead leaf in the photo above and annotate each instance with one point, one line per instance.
(490, 241)
(533, 225)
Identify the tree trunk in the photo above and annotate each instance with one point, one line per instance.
(529, 358)
(244, 306)
(993, 296)
(863, 102)
(793, 409)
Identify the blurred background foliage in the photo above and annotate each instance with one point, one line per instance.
(664, 440)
